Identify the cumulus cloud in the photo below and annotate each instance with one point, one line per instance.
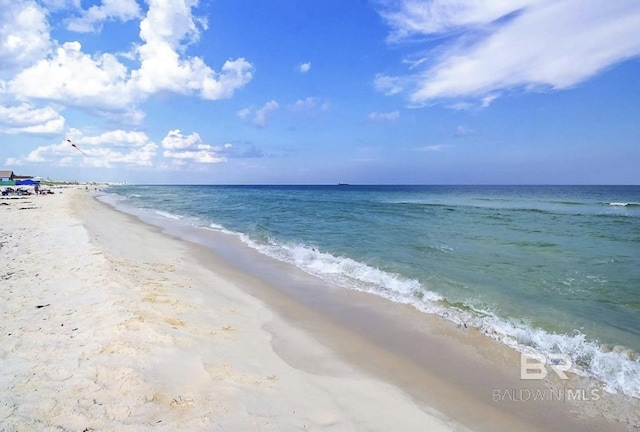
(304, 67)
(41, 69)
(190, 148)
(390, 117)
(24, 34)
(25, 118)
(91, 20)
(164, 30)
(521, 44)
(119, 147)
(73, 78)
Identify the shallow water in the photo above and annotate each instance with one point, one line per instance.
(550, 268)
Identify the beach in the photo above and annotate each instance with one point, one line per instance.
(108, 323)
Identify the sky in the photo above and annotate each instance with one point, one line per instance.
(321, 91)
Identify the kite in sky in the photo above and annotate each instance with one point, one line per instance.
(76, 147)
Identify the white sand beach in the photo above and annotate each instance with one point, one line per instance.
(118, 329)
(109, 325)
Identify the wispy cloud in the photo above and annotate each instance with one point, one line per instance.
(390, 117)
(432, 148)
(388, 85)
(263, 114)
(462, 131)
(530, 45)
(243, 113)
(311, 105)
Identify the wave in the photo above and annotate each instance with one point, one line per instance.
(618, 369)
(568, 203)
(168, 215)
(345, 271)
(622, 204)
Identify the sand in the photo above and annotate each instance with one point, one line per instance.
(107, 324)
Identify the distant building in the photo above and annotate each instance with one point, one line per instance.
(21, 177)
(7, 178)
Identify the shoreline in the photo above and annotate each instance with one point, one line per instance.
(182, 323)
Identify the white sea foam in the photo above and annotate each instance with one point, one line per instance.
(168, 215)
(618, 370)
(220, 228)
(615, 369)
(623, 204)
(346, 272)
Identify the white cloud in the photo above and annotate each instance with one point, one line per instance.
(110, 148)
(384, 117)
(432, 148)
(264, 113)
(110, 10)
(24, 118)
(486, 100)
(526, 44)
(166, 28)
(99, 83)
(24, 34)
(73, 78)
(304, 67)
(387, 84)
(114, 138)
(235, 75)
(243, 113)
(107, 157)
(176, 141)
(310, 105)
(462, 131)
(418, 17)
(189, 148)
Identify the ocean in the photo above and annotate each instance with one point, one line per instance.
(551, 269)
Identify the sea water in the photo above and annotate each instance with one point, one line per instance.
(551, 269)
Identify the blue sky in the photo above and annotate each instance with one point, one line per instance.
(304, 91)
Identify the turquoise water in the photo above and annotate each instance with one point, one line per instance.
(550, 268)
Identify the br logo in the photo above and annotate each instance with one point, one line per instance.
(534, 367)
